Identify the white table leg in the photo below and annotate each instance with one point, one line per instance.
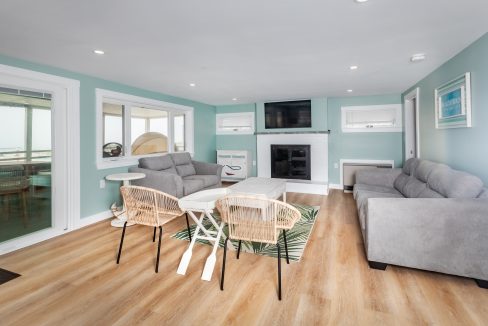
(121, 217)
(185, 260)
(284, 197)
(210, 263)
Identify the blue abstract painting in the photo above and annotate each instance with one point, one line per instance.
(451, 104)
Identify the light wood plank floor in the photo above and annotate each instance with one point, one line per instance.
(73, 280)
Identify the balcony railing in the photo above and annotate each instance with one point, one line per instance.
(24, 156)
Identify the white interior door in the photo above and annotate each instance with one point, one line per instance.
(412, 142)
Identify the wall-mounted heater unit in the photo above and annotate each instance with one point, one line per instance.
(350, 168)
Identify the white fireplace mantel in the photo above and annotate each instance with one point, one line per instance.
(318, 153)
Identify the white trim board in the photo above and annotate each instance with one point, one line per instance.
(360, 161)
(407, 102)
(316, 188)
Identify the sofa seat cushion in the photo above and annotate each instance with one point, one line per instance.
(363, 196)
(191, 186)
(364, 187)
(362, 202)
(208, 180)
(157, 163)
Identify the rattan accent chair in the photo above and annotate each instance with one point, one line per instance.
(256, 219)
(145, 206)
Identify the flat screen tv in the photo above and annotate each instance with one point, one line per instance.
(291, 114)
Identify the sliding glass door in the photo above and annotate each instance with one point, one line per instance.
(25, 162)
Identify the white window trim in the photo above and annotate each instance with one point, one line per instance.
(122, 98)
(398, 112)
(237, 130)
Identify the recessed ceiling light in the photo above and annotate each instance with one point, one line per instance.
(193, 84)
(417, 57)
(360, 1)
(100, 52)
(349, 90)
(234, 99)
(353, 67)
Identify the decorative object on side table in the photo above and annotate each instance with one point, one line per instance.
(120, 213)
(453, 103)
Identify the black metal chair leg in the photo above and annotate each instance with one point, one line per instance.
(188, 226)
(279, 271)
(239, 249)
(159, 248)
(223, 265)
(121, 242)
(154, 235)
(286, 247)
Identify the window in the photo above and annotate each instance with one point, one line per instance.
(131, 127)
(372, 118)
(235, 123)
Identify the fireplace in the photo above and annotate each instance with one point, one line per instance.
(290, 162)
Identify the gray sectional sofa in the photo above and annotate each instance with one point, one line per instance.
(426, 216)
(177, 174)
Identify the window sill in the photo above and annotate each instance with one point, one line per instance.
(370, 130)
(116, 163)
(103, 164)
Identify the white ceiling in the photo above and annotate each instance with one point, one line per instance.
(254, 50)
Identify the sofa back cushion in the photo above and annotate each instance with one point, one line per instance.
(400, 182)
(425, 168)
(414, 188)
(158, 163)
(183, 164)
(454, 184)
(410, 166)
(484, 193)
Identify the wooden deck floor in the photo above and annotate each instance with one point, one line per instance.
(73, 280)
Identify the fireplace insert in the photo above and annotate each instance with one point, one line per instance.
(290, 162)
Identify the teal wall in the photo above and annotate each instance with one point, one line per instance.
(461, 148)
(93, 199)
(238, 142)
(373, 146)
(326, 114)
(319, 117)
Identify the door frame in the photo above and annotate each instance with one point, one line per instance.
(66, 149)
(407, 105)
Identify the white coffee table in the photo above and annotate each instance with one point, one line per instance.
(120, 214)
(267, 187)
(202, 202)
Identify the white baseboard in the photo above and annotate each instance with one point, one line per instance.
(335, 186)
(85, 221)
(307, 188)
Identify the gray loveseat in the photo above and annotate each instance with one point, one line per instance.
(177, 174)
(425, 216)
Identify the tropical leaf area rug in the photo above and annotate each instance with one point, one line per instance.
(296, 238)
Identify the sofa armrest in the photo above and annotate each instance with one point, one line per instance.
(447, 235)
(163, 181)
(207, 168)
(378, 177)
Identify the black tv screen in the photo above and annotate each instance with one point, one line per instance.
(291, 114)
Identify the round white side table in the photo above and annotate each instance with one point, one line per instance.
(126, 178)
